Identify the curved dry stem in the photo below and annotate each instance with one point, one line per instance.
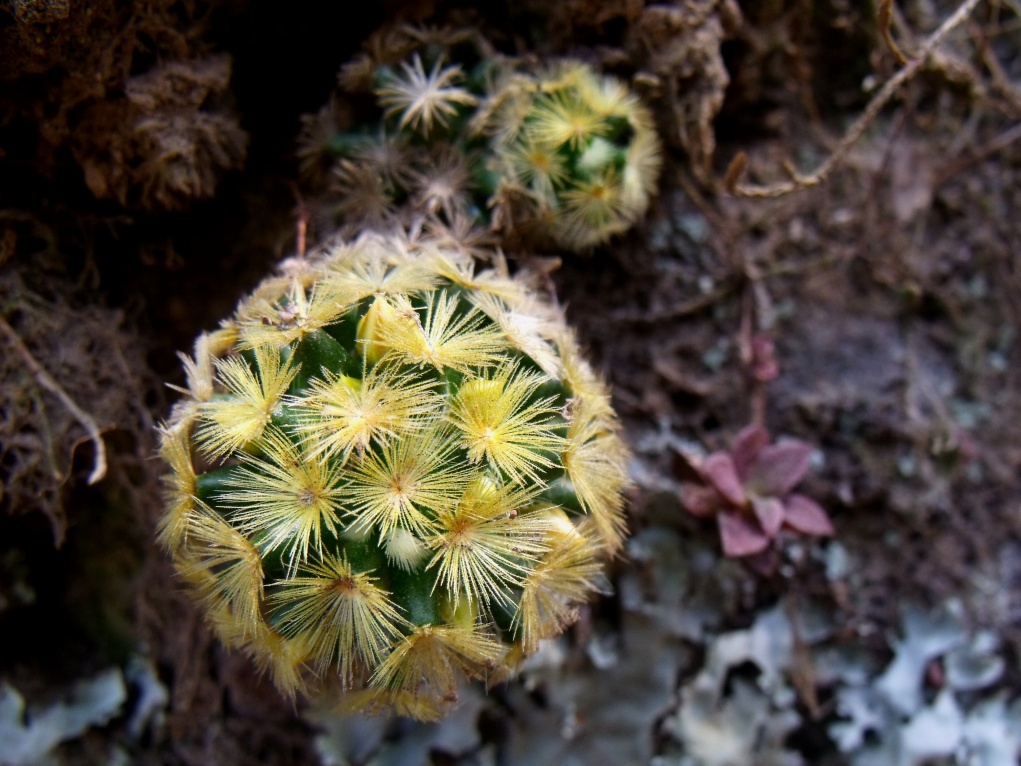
(856, 131)
(46, 381)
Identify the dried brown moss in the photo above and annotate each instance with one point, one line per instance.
(167, 142)
(131, 88)
(679, 52)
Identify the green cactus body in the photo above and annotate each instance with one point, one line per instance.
(563, 157)
(393, 470)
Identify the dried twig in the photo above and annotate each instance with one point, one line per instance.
(46, 381)
(980, 154)
(1001, 82)
(857, 130)
(885, 16)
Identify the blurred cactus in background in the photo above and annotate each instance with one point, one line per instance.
(575, 154)
(557, 155)
(392, 470)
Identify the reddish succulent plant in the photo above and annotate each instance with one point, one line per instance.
(748, 490)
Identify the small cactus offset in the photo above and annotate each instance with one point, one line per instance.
(560, 156)
(576, 154)
(392, 470)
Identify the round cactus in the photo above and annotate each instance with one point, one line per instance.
(392, 470)
(562, 156)
(576, 154)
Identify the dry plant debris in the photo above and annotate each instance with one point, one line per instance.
(168, 141)
(70, 373)
(131, 88)
(799, 180)
(678, 52)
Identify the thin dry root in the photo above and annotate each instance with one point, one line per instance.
(46, 381)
